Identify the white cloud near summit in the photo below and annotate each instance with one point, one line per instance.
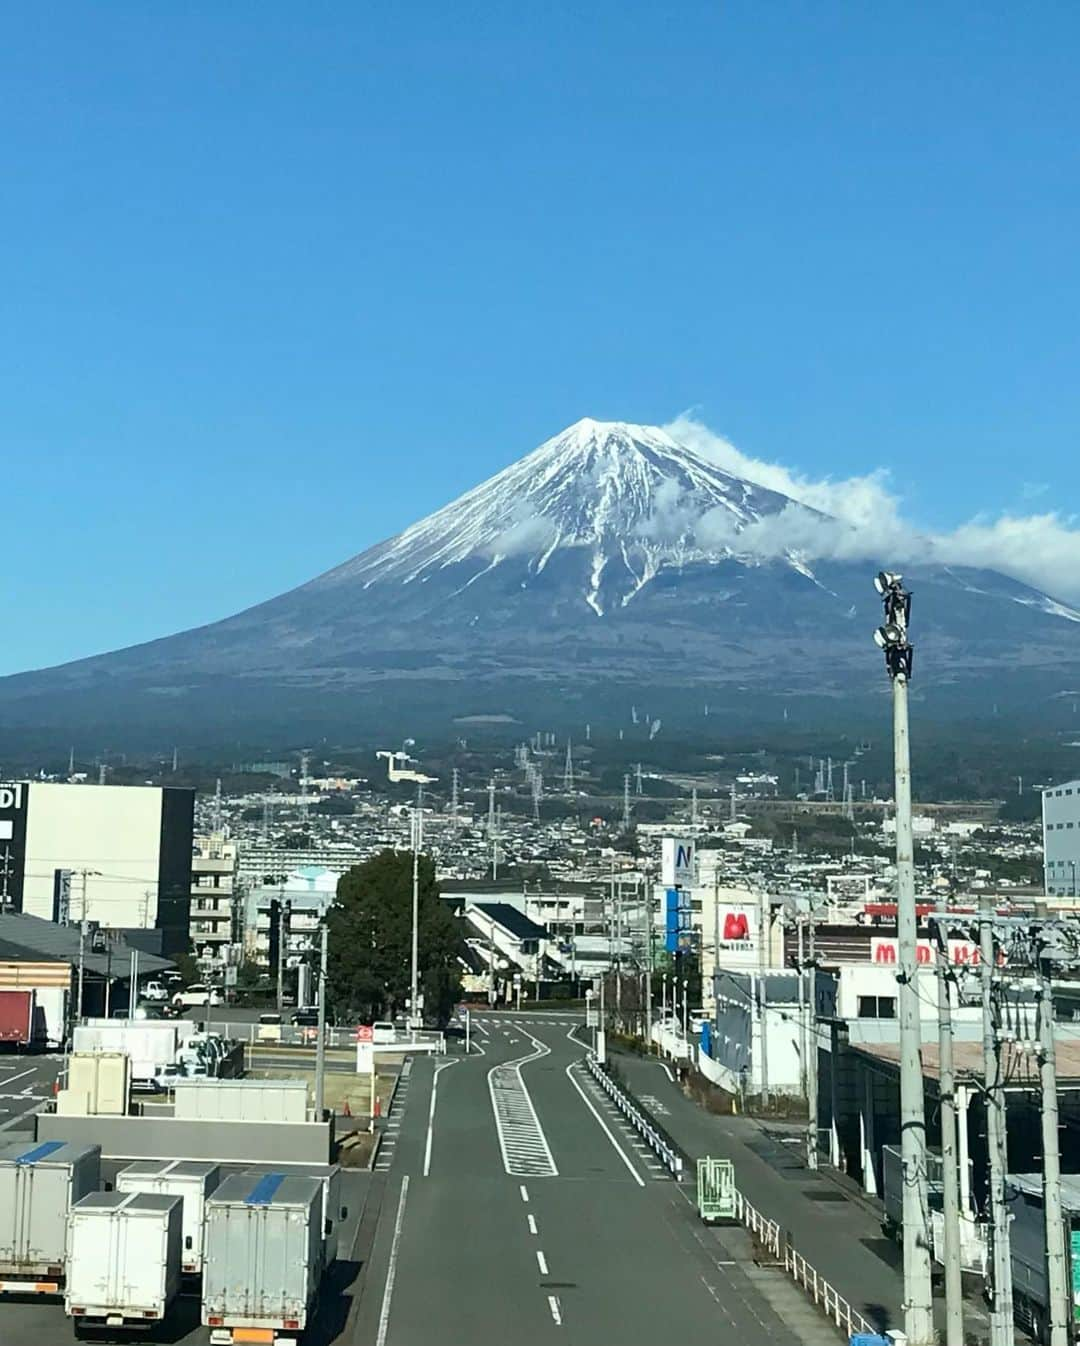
(866, 523)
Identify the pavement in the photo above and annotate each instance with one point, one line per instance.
(836, 1229)
(26, 1083)
(516, 1205)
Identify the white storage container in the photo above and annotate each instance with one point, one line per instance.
(192, 1182)
(38, 1185)
(262, 1257)
(105, 1079)
(241, 1100)
(123, 1259)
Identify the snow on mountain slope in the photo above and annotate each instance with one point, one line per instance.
(629, 496)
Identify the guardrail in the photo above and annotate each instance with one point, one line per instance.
(770, 1238)
(661, 1147)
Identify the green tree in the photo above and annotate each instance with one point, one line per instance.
(370, 940)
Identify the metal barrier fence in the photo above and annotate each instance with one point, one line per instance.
(769, 1237)
(295, 1035)
(662, 1148)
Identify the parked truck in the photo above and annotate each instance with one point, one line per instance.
(1027, 1234)
(973, 1243)
(262, 1258)
(39, 1183)
(123, 1259)
(192, 1182)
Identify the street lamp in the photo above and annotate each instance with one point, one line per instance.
(892, 638)
(415, 1021)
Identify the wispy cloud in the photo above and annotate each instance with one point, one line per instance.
(865, 521)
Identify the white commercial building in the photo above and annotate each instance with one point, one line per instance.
(1061, 839)
(118, 855)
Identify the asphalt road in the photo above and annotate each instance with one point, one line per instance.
(26, 1081)
(515, 1208)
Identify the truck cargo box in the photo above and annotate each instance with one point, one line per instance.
(39, 1183)
(262, 1256)
(192, 1182)
(123, 1251)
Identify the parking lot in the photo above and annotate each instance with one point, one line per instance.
(43, 1322)
(25, 1083)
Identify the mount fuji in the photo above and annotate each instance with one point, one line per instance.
(610, 565)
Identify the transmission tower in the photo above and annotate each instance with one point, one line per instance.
(454, 796)
(731, 808)
(693, 807)
(491, 808)
(537, 792)
(829, 796)
(305, 764)
(568, 769)
(637, 778)
(626, 803)
(217, 805)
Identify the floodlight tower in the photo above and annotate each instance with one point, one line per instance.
(892, 638)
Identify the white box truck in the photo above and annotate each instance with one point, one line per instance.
(39, 1183)
(123, 1253)
(262, 1258)
(192, 1182)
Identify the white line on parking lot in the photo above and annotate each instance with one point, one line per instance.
(553, 1305)
(541, 1262)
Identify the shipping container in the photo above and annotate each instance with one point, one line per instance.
(16, 1018)
(262, 1257)
(123, 1256)
(192, 1182)
(39, 1183)
(242, 1100)
(151, 1044)
(105, 1079)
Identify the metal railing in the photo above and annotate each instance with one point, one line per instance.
(658, 1143)
(826, 1297)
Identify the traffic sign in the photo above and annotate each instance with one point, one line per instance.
(365, 1033)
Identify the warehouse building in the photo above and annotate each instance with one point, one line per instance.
(116, 855)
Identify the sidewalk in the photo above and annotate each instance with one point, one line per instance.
(840, 1237)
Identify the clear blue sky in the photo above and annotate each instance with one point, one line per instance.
(279, 278)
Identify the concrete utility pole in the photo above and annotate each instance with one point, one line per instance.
(320, 1043)
(1001, 1311)
(84, 875)
(892, 637)
(1057, 1275)
(812, 1057)
(950, 1178)
(415, 1020)
(284, 913)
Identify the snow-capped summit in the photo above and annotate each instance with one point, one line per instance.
(629, 496)
(611, 563)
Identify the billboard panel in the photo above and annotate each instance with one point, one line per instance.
(677, 862)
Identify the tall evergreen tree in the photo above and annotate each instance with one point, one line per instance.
(370, 940)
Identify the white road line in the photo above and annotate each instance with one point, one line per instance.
(532, 1224)
(667, 1072)
(603, 1125)
(524, 1147)
(524, 1192)
(553, 1305)
(10, 1079)
(541, 1262)
(391, 1270)
(431, 1113)
(26, 1112)
(479, 1023)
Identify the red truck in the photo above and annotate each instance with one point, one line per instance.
(16, 1018)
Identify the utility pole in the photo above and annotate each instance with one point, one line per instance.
(284, 912)
(1057, 1276)
(950, 1178)
(892, 637)
(763, 995)
(84, 874)
(5, 878)
(320, 1042)
(1001, 1311)
(415, 1020)
(812, 1055)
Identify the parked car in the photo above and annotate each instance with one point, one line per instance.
(383, 1031)
(197, 995)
